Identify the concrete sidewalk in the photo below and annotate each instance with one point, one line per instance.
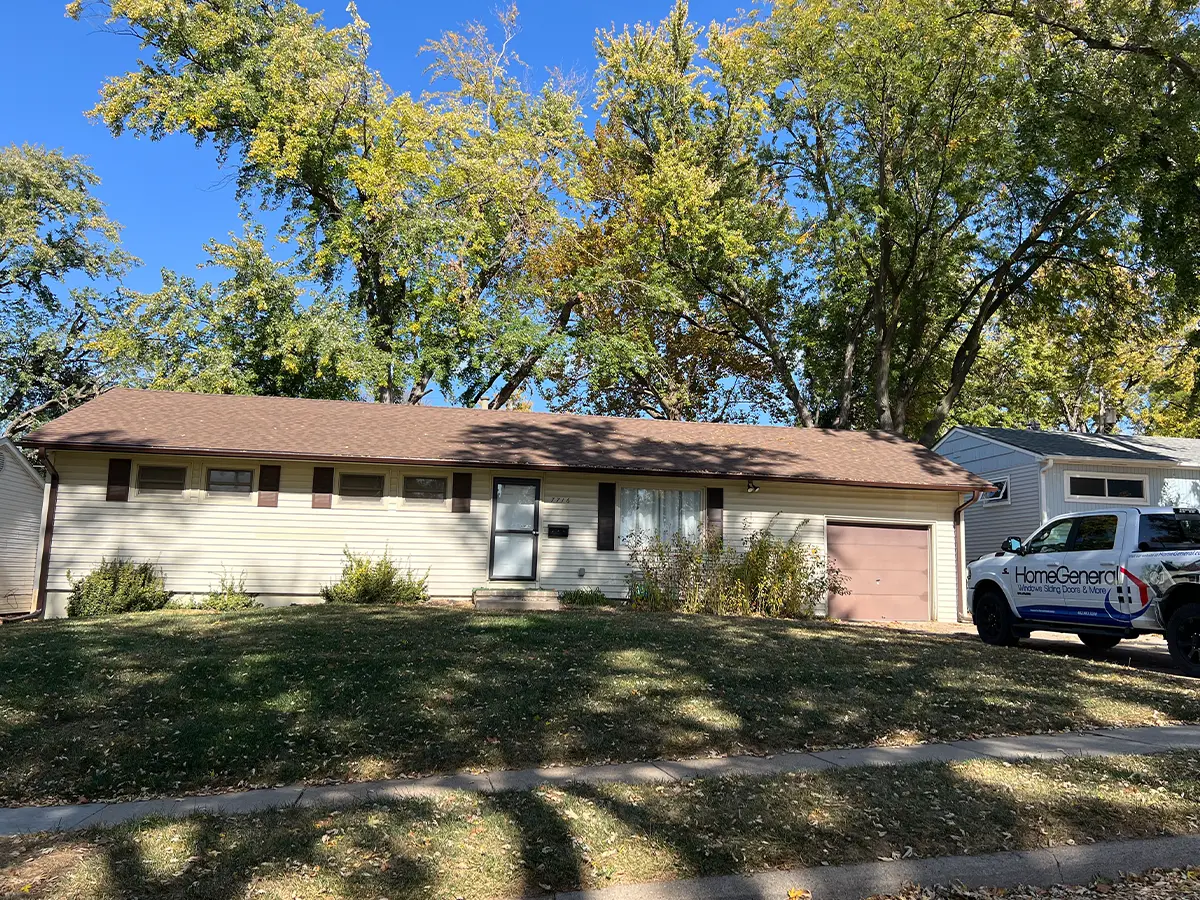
(1108, 742)
(1036, 868)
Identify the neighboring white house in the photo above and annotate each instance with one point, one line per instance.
(1042, 474)
(22, 491)
(274, 489)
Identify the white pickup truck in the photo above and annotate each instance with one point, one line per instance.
(1104, 575)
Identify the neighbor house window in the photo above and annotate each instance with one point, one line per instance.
(161, 479)
(360, 486)
(1000, 494)
(236, 482)
(1089, 486)
(420, 487)
(664, 514)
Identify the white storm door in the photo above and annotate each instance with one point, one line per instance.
(515, 529)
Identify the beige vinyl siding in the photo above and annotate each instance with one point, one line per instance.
(287, 553)
(21, 498)
(786, 508)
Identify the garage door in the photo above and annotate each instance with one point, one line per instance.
(886, 569)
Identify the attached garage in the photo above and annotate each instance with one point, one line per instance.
(21, 497)
(887, 571)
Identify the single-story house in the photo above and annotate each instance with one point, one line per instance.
(1042, 474)
(276, 488)
(22, 494)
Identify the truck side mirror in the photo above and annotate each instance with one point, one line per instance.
(1012, 545)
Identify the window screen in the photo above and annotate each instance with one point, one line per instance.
(1087, 487)
(230, 481)
(1101, 486)
(357, 486)
(161, 479)
(419, 487)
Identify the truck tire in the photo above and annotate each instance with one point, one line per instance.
(1099, 641)
(1183, 638)
(994, 620)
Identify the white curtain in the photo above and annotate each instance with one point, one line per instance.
(661, 513)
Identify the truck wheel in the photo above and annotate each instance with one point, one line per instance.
(994, 620)
(1183, 638)
(1099, 641)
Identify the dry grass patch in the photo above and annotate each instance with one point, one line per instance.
(582, 836)
(157, 704)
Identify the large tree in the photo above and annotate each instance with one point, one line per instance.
(60, 259)
(854, 194)
(430, 210)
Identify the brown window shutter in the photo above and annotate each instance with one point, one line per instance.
(461, 493)
(714, 515)
(268, 485)
(606, 520)
(322, 494)
(118, 480)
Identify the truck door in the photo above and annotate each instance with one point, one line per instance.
(1034, 574)
(1091, 563)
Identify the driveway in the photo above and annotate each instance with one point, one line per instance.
(1147, 652)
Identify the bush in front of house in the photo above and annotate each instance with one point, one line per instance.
(586, 597)
(367, 580)
(117, 586)
(772, 576)
(230, 594)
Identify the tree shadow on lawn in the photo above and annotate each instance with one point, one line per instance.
(160, 704)
(581, 836)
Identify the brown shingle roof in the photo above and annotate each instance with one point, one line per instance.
(125, 420)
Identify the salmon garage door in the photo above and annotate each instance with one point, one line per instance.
(886, 570)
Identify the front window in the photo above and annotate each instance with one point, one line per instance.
(1051, 539)
(417, 487)
(360, 486)
(663, 514)
(1105, 487)
(230, 481)
(1169, 531)
(161, 479)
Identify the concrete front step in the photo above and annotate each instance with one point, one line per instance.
(493, 598)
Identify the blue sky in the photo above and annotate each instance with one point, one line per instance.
(170, 196)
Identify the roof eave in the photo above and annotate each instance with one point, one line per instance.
(88, 446)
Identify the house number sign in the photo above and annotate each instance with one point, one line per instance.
(558, 500)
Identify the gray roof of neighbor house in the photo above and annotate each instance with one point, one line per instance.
(1115, 447)
(126, 421)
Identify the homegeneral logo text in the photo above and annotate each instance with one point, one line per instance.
(1066, 575)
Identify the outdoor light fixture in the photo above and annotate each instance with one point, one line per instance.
(751, 487)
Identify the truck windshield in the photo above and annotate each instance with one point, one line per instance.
(1178, 531)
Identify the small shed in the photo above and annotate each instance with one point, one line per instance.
(22, 494)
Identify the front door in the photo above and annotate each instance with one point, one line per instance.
(1035, 574)
(515, 529)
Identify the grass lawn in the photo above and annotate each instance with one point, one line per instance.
(164, 703)
(591, 836)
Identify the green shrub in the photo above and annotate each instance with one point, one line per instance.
(586, 597)
(366, 580)
(772, 576)
(231, 594)
(117, 586)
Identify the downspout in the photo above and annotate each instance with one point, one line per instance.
(47, 537)
(1042, 473)
(960, 554)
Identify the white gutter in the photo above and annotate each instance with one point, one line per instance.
(960, 554)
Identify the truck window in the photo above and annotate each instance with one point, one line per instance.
(1170, 531)
(1095, 533)
(1052, 538)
